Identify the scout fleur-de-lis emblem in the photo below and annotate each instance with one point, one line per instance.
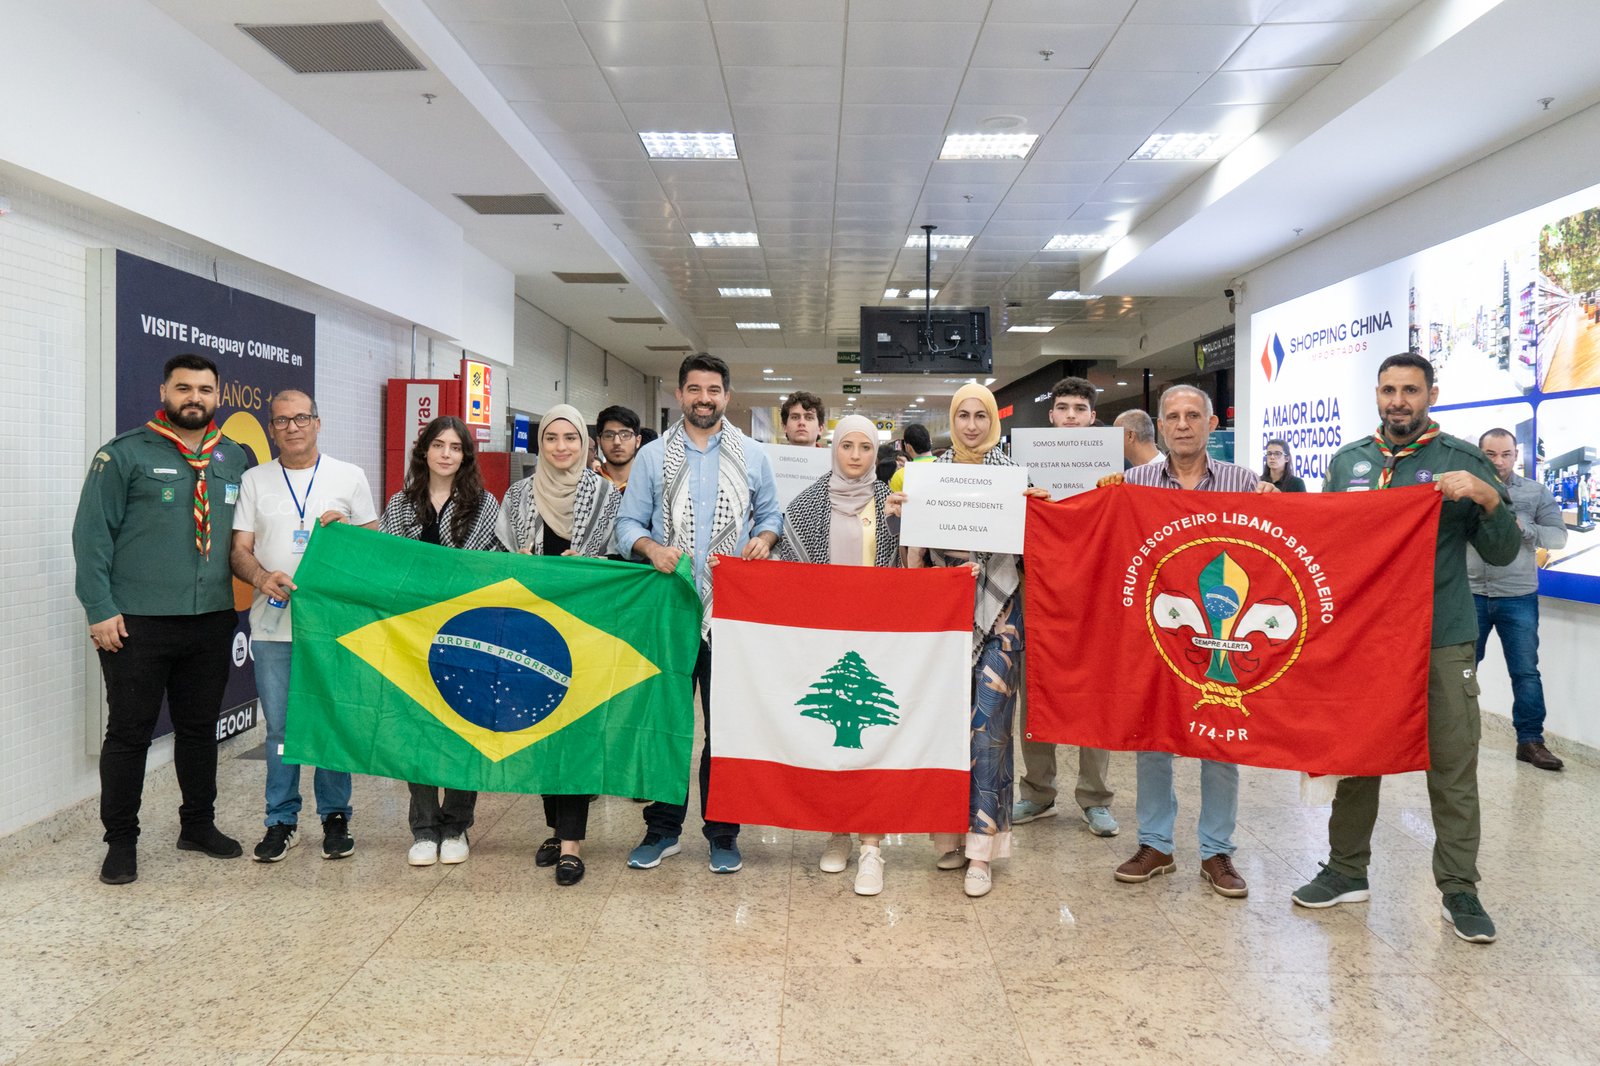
(1221, 618)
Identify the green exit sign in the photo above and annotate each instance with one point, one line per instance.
(852, 389)
(850, 357)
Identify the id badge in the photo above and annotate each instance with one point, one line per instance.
(230, 494)
(302, 537)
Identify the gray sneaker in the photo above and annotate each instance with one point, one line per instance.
(1330, 888)
(1472, 924)
(1029, 811)
(1100, 822)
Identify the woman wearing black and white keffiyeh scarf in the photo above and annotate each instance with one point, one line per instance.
(997, 638)
(563, 508)
(842, 518)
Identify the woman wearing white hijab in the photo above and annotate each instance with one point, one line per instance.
(997, 637)
(842, 518)
(562, 508)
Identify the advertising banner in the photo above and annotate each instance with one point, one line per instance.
(260, 347)
(1509, 316)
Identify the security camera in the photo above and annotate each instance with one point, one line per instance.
(1228, 293)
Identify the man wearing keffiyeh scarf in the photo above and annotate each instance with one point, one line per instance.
(704, 489)
(154, 582)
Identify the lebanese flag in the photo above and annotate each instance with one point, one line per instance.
(1282, 630)
(841, 696)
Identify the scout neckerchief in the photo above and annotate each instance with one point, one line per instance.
(1391, 456)
(199, 459)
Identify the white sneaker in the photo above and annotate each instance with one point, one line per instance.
(951, 860)
(423, 853)
(453, 850)
(978, 882)
(836, 854)
(869, 872)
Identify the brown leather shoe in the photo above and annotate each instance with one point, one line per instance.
(1538, 755)
(1146, 863)
(1224, 879)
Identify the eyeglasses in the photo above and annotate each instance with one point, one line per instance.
(612, 436)
(301, 420)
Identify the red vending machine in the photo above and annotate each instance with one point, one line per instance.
(412, 403)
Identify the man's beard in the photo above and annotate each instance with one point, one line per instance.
(1408, 428)
(702, 421)
(187, 419)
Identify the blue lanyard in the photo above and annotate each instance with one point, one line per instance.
(298, 506)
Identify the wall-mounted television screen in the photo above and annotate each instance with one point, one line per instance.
(907, 340)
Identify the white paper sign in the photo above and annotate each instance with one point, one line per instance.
(965, 507)
(795, 469)
(1068, 461)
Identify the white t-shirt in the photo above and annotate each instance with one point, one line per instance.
(267, 509)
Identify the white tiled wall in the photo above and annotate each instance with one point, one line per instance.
(44, 243)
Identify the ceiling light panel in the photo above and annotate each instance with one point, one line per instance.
(1180, 147)
(725, 240)
(1073, 294)
(745, 293)
(941, 241)
(757, 325)
(1030, 329)
(988, 145)
(663, 145)
(1080, 242)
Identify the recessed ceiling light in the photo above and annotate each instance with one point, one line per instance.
(768, 370)
(910, 294)
(988, 145)
(784, 396)
(1073, 294)
(744, 292)
(659, 145)
(1122, 383)
(945, 241)
(1180, 146)
(919, 399)
(725, 240)
(756, 325)
(1080, 242)
(1030, 329)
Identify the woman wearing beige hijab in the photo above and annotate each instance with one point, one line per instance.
(997, 638)
(562, 508)
(842, 518)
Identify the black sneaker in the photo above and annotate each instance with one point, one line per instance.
(209, 839)
(122, 863)
(274, 847)
(336, 839)
(1471, 922)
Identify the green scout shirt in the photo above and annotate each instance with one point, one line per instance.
(1357, 466)
(133, 538)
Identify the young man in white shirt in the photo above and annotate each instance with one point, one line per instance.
(281, 504)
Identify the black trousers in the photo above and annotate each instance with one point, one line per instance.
(567, 816)
(183, 658)
(666, 819)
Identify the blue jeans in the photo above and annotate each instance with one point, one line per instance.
(1517, 619)
(1157, 803)
(283, 779)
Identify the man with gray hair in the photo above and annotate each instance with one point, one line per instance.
(1187, 419)
(1138, 437)
(281, 504)
(1507, 597)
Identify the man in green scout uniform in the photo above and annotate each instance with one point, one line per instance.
(1409, 449)
(151, 545)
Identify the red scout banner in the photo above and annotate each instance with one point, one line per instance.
(1286, 631)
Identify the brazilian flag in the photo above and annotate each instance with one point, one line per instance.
(492, 671)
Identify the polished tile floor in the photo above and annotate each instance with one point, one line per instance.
(367, 961)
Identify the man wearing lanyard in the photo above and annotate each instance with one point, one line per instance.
(280, 505)
(160, 604)
(1408, 449)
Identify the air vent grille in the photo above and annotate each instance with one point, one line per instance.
(655, 321)
(668, 348)
(335, 47)
(572, 278)
(532, 203)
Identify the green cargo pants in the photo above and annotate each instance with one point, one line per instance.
(1453, 734)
